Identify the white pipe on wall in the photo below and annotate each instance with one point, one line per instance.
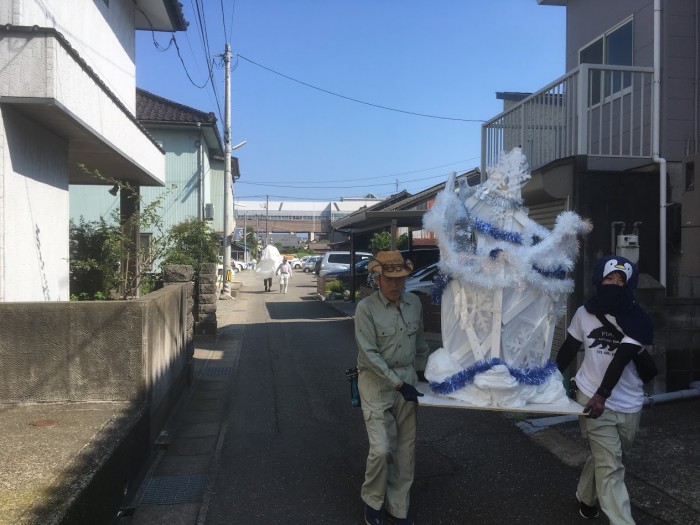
(657, 142)
(690, 393)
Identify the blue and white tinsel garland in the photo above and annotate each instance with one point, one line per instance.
(465, 377)
(440, 282)
(497, 233)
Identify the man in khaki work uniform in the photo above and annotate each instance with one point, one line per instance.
(389, 335)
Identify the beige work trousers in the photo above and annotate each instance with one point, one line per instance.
(391, 430)
(603, 478)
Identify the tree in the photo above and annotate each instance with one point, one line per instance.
(252, 242)
(191, 242)
(94, 254)
(121, 237)
(380, 242)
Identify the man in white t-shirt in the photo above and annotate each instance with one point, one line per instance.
(613, 330)
(284, 270)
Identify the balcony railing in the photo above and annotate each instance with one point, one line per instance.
(594, 110)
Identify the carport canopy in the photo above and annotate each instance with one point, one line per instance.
(363, 221)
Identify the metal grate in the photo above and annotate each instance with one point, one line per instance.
(231, 330)
(170, 490)
(219, 371)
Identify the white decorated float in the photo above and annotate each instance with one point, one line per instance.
(270, 259)
(502, 287)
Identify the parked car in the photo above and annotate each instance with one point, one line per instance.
(420, 282)
(236, 266)
(421, 257)
(310, 263)
(295, 262)
(361, 274)
(336, 261)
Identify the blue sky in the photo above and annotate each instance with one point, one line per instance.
(445, 58)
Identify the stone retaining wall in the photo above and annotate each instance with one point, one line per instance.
(205, 304)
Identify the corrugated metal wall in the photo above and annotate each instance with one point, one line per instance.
(182, 182)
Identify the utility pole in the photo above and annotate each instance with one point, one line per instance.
(267, 218)
(228, 182)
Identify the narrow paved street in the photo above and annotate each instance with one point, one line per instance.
(267, 435)
(294, 447)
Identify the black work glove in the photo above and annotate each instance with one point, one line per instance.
(410, 393)
(421, 377)
(595, 406)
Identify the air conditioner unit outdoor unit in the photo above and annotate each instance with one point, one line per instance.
(209, 211)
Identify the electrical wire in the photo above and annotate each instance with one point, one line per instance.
(223, 20)
(382, 176)
(354, 99)
(325, 185)
(198, 6)
(288, 198)
(174, 40)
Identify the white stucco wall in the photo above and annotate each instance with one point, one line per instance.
(102, 35)
(34, 208)
(40, 67)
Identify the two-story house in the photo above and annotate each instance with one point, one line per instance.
(616, 140)
(67, 98)
(194, 169)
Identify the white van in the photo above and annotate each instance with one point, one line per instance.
(339, 261)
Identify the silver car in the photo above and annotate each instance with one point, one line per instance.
(421, 281)
(339, 261)
(309, 264)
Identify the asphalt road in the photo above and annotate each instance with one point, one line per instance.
(267, 435)
(294, 447)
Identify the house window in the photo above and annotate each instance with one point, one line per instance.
(613, 48)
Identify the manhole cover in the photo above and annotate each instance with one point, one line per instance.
(169, 490)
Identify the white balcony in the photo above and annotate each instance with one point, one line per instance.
(598, 111)
(44, 78)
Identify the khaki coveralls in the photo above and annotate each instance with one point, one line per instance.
(391, 348)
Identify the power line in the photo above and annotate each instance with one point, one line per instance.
(382, 176)
(291, 198)
(233, 11)
(354, 99)
(174, 41)
(325, 185)
(223, 19)
(204, 35)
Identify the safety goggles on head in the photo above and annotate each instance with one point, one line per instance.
(396, 267)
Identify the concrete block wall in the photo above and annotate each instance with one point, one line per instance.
(86, 351)
(183, 274)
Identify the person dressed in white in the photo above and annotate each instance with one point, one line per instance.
(284, 270)
(613, 329)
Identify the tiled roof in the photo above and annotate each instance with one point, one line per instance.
(174, 8)
(150, 107)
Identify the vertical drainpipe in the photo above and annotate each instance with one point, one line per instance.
(656, 143)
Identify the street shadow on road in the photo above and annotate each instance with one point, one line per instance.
(280, 311)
